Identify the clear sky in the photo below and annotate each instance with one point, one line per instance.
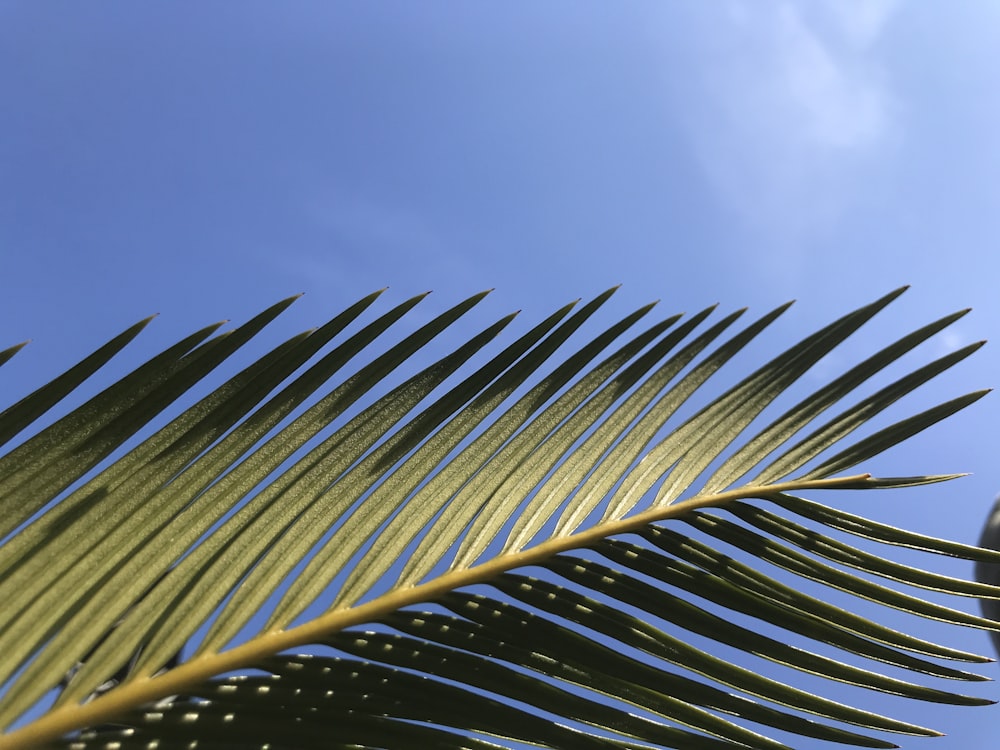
(204, 160)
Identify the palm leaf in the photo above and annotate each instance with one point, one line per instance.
(469, 555)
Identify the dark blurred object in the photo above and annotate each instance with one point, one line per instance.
(990, 572)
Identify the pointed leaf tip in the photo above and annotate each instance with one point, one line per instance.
(475, 299)
(7, 354)
(893, 294)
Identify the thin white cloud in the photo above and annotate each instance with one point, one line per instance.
(355, 241)
(949, 341)
(862, 22)
(787, 98)
(832, 102)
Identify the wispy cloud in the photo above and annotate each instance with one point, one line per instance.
(353, 241)
(787, 97)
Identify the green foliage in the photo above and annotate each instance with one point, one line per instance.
(462, 553)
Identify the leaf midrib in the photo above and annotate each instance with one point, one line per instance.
(180, 679)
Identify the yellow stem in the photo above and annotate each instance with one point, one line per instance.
(181, 679)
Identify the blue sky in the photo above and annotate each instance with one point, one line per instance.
(204, 161)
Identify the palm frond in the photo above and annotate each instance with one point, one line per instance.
(473, 555)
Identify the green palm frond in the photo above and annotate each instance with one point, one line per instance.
(464, 553)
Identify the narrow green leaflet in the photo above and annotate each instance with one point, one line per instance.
(880, 532)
